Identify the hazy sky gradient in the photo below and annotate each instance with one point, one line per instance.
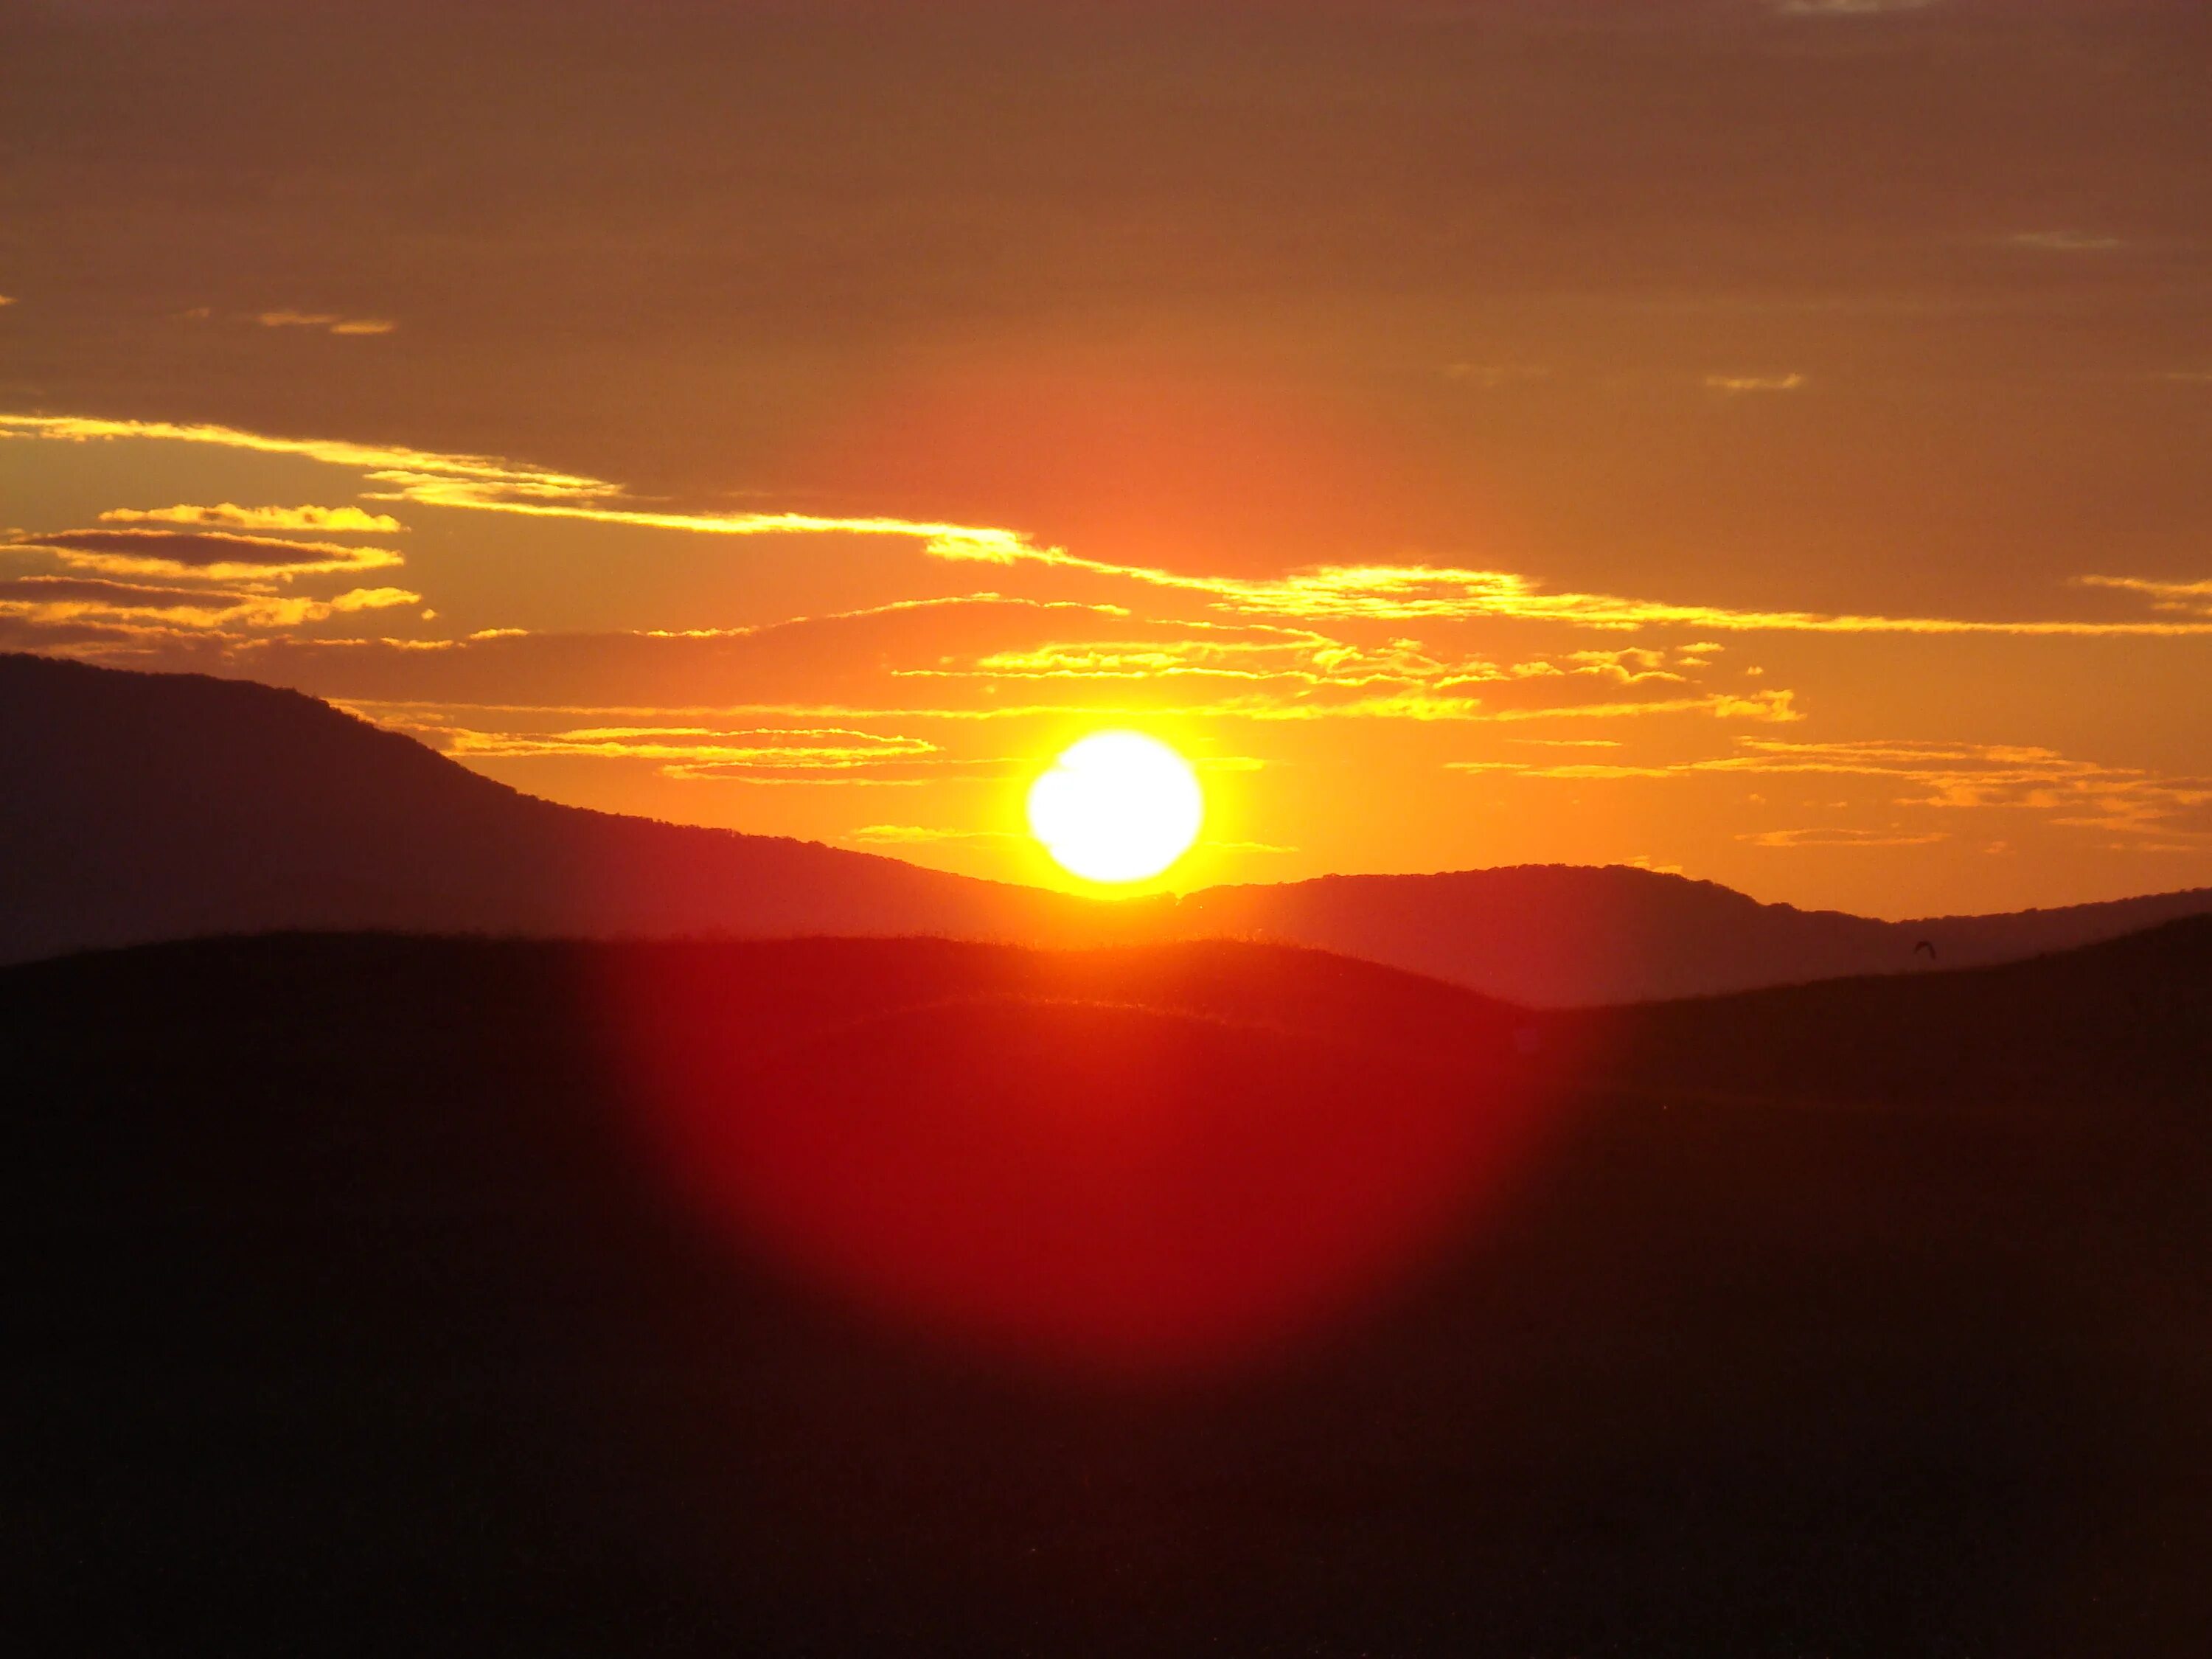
(1763, 438)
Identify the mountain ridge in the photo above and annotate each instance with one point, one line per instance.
(1580, 934)
(139, 807)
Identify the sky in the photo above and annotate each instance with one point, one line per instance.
(1763, 438)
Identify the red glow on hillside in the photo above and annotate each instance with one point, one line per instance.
(1111, 1189)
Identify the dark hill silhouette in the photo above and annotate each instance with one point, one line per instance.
(138, 807)
(356, 1308)
(2127, 1022)
(1562, 935)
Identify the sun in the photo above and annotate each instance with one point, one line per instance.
(1118, 806)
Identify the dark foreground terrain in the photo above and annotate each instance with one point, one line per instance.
(361, 1300)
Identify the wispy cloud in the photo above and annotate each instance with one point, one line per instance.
(2191, 598)
(51, 601)
(1771, 708)
(1741, 383)
(1407, 593)
(394, 464)
(690, 752)
(228, 515)
(437, 717)
(1492, 376)
(216, 555)
(1945, 776)
(1836, 837)
(1396, 592)
(494, 484)
(1270, 671)
(328, 322)
(917, 835)
(1253, 654)
(1955, 774)
(2066, 241)
(1635, 665)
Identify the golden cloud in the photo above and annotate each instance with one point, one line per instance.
(1251, 652)
(52, 601)
(1739, 383)
(329, 322)
(2194, 598)
(228, 515)
(386, 462)
(1389, 592)
(1293, 672)
(1840, 837)
(915, 834)
(1403, 593)
(211, 554)
(687, 751)
(1950, 776)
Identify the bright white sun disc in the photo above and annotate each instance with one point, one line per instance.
(1117, 806)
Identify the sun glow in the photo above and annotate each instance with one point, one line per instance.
(1118, 806)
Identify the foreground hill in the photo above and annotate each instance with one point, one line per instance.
(357, 1304)
(140, 807)
(2104, 1028)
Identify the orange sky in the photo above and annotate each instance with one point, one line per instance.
(1763, 440)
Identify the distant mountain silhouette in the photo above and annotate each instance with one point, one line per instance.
(138, 807)
(356, 1307)
(1564, 935)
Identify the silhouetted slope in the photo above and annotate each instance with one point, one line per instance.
(137, 808)
(2127, 1022)
(1562, 935)
(352, 1311)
